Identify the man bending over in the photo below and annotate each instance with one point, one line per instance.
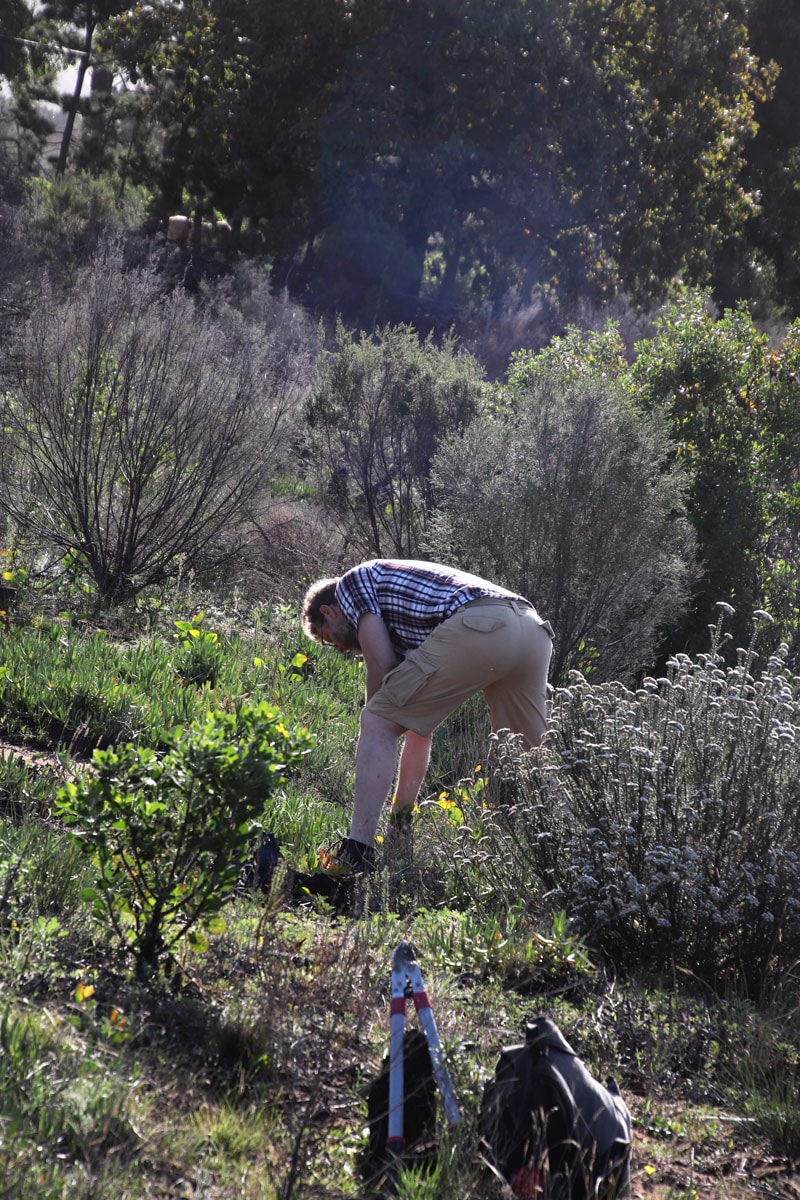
(430, 636)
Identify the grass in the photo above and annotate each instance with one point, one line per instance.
(242, 1072)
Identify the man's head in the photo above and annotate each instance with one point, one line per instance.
(324, 621)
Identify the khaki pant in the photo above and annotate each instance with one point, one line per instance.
(492, 645)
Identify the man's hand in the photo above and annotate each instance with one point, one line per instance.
(379, 653)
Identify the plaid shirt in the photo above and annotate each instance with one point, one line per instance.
(412, 597)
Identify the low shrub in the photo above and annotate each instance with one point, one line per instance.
(167, 835)
(665, 820)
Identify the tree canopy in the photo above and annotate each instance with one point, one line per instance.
(402, 161)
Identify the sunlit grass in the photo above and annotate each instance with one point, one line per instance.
(243, 1073)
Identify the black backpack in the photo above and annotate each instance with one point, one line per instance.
(419, 1111)
(549, 1127)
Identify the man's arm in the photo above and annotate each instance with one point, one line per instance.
(379, 653)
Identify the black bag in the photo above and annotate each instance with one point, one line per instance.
(257, 872)
(419, 1110)
(549, 1127)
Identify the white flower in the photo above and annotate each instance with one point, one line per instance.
(726, 608)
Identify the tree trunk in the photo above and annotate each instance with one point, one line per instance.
(72, 111)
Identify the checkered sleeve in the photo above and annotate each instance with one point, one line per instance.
(356, 594)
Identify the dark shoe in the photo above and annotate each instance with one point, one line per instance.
(401, 820)
(357, 857)
(337, 881)
(398, 841)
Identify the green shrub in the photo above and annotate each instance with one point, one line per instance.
(201, 655)
(70, 216)
(732, 403)
(167, 834)
(560, 491)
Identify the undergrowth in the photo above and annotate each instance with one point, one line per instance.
(619, 881)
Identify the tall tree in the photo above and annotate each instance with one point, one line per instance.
(15, 19)
(77, 22)
(688, 84)
(238, 87)
(572, 146)
(773, 159)
(402, 159)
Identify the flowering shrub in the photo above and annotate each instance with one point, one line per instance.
(666, 820)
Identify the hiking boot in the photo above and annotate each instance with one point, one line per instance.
(354, 857)
(401, 820)
(399, 836)
(336, 881)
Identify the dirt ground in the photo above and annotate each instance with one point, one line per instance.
(718, 1163)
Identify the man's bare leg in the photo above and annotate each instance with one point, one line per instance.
(414, 760)
(376, 763)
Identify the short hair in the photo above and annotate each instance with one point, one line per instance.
(321, 592)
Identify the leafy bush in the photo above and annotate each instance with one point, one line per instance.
(167, 835)
(202, 655)
(560, 491)
(666, 820)
(71, 215)
(378, 409)
(733, 404)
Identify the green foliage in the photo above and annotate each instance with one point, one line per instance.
(561, 491)
(764, 1063)
(505, 946)
(733, 407)
(378, 410)
(772, 170)
(544, 146)
(62, 1098)
(12, 577)
(73, 215)
(202, 656)
(67, 685)
(167, 834)
(62, 687)
(614, 131)
(16, 19)
(24, 788)
(40, 882)
(220, 1074)
(690, 86)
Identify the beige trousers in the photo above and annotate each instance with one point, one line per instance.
(492, 645)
